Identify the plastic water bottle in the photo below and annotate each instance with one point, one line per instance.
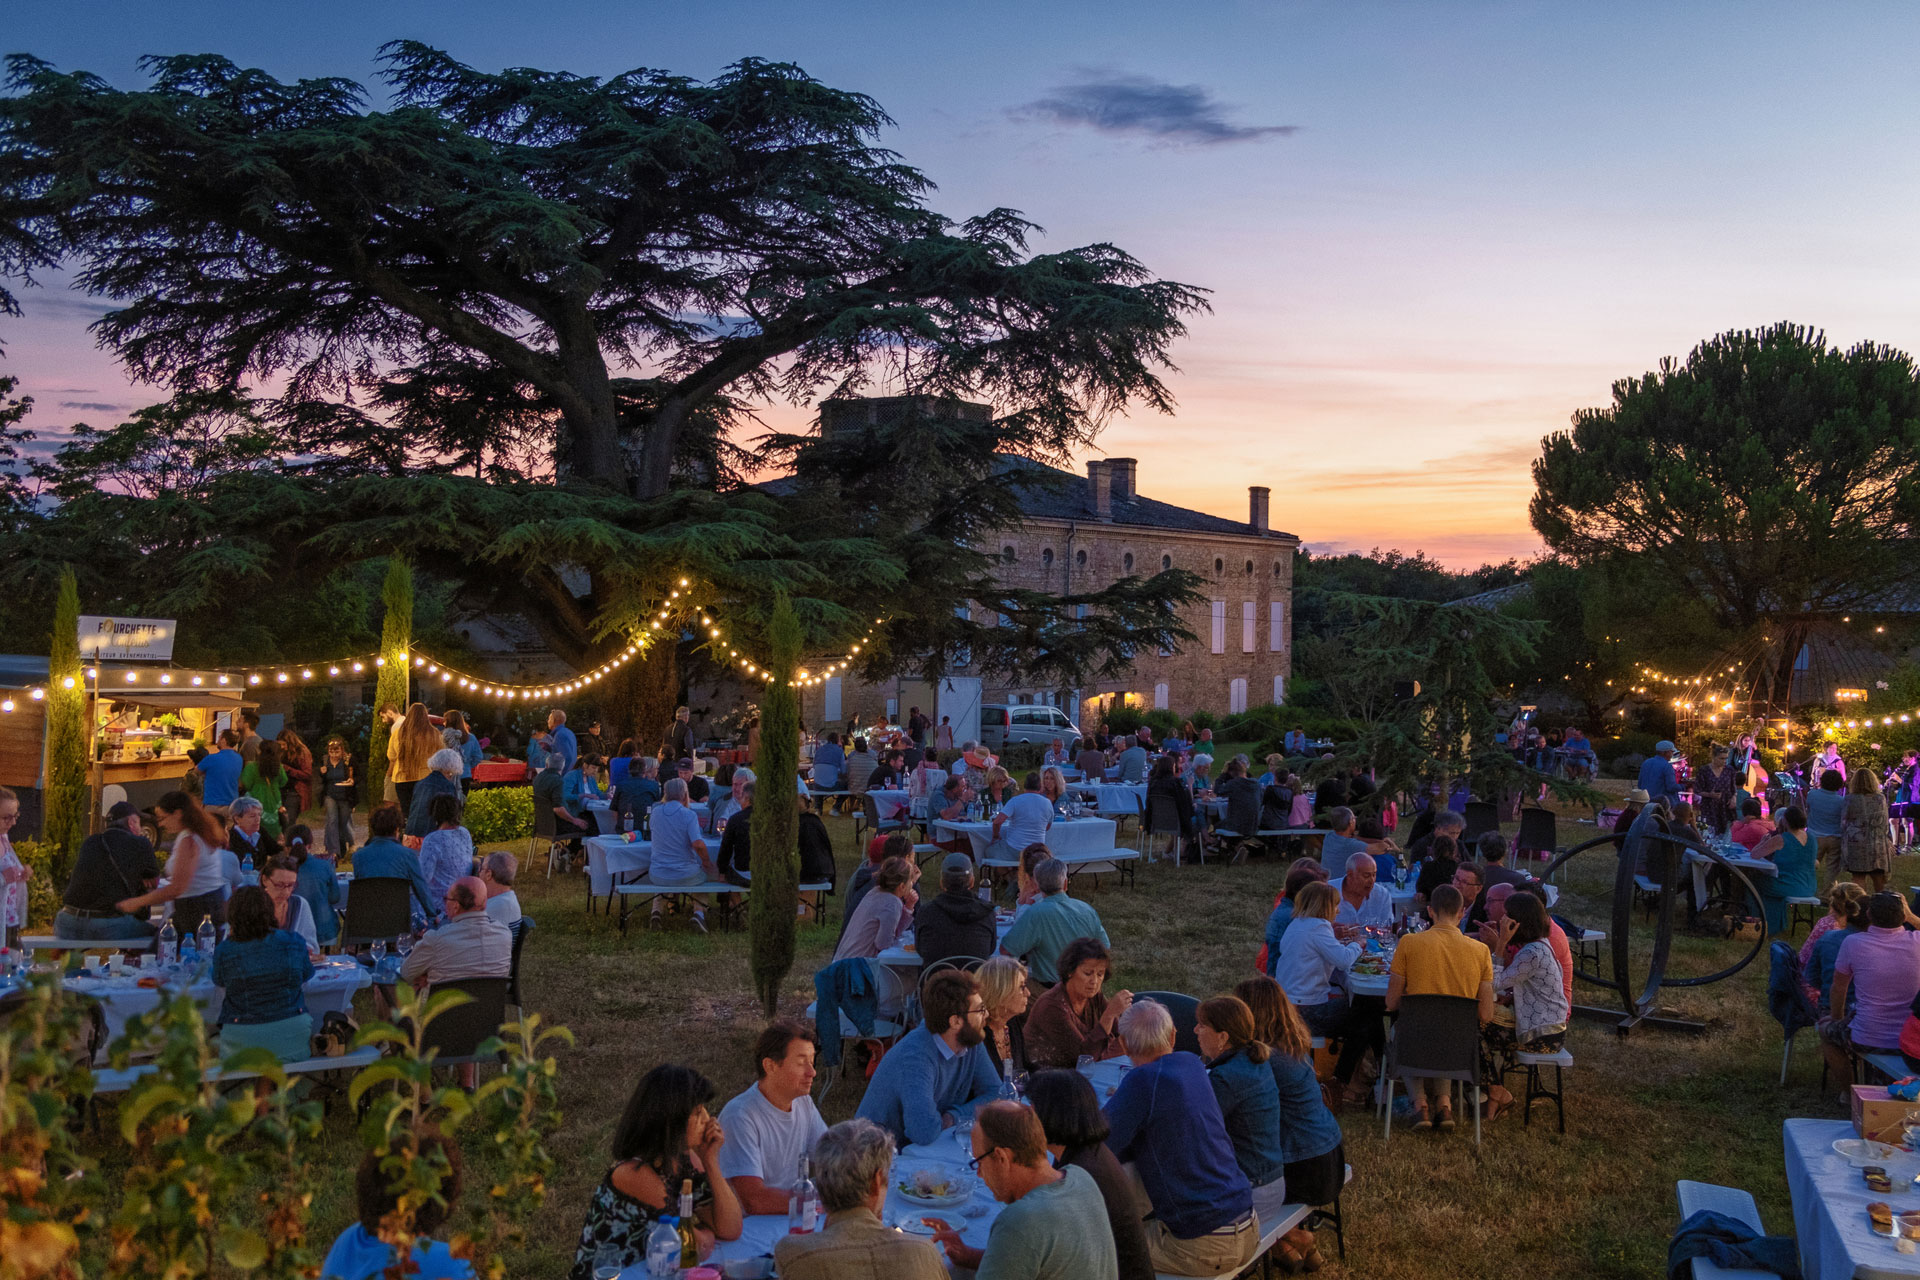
(169, 943)
(203, 937)
(663, 1247)
(247, 873)
(1008, 1093)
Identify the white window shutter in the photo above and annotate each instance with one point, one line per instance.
(1160, 697)
(1279, 691)
(1246, 627)
(1276, 627)
(1219, 626)
(1237, 695)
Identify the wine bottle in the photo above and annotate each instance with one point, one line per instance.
(689, 1243)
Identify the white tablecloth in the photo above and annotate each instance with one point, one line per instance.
(610, 856)
(1699, 865)
(1830, 1207)
(1065, 836)
(330, 990)
(1124, 798)
(898, 957)
(889, 804)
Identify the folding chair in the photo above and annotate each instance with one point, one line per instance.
(1186, 1014)
(546, 827)
(1164, 820)
(1539, 833)
(1482, 817)
(458, 1033)
(1435, 1038)
(379, 909)
(520, 929)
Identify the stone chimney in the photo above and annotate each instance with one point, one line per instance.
(1100, 488)
(1122, 470)
(1257, 507)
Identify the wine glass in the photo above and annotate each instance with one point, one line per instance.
(404, 945)
(379, 951)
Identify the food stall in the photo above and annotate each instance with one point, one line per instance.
(145, 718)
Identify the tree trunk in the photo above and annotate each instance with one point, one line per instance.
(641, 697)
(593, 417)
(69, 736)
(396, 673)
(776, 822)
(654, 468)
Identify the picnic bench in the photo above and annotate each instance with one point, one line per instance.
(107, 1080)
(725, 914)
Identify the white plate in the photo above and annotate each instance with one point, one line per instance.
(961, 1193)
(1861, 1152)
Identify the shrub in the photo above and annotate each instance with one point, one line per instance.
(44, 890)
(1018, 757)
(500, 813)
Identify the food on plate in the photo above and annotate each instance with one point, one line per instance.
(149, 983)
(928, 1184)
(1881, 1213)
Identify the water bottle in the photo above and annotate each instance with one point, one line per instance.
(169, 943)
(1008, 1093)
(203, 937)
(803, 1204)
(663, 1247)
(247, 874)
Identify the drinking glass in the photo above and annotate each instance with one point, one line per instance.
(1083, 1062)
(607, 1260)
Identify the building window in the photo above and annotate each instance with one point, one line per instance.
(1249, 568)
(1219, 626)
(1276, 627)
(1126, 562)
(1080, 558)
(1046, 555)
(1236, 695)
(1246, 627)
(1276, 568)
(1166, 562)
(1006, 554)
(1082, 610)
(1219, 565)
(1279, 691)
(1160, 697)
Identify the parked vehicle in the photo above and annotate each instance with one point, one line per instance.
(1001, 724)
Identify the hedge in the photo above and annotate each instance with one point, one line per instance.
(500, 813)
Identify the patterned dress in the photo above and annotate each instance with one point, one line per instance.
(1866, 841)
(614, 1217)
(1715, 789)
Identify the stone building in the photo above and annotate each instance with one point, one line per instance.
(1080, 535)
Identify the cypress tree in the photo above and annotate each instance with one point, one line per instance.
(67, 732)
(776, 822)
(396, 641)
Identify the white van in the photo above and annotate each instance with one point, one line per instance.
(1001, 724)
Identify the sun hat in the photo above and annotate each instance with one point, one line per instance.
(1637, 796)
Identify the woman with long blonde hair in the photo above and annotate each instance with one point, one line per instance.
(409, 747)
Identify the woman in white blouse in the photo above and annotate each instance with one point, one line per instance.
(1312, 970)
(1533, 1011)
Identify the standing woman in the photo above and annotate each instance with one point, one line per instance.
(297, 759)
(1715, 787)
(1866, 833)
(196, 884)
(460, 738)
(13, 873)
(265, 779)
(339, 792)
(412, 744)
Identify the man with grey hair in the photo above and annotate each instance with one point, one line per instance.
(497, 871)
(1045, 928)
(1343, 843)
(639, 791)
(1363, 899)
(1166, 1121)
(852, 1164)
(560, 739)
(736, 848)
(679, 854)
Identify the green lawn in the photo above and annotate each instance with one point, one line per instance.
(1598, 1201)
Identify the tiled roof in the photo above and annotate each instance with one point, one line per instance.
(1048, 493)
(1498, 596)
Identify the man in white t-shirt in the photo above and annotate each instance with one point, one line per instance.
(774, 1123)
(1024, 819)
(497, 871)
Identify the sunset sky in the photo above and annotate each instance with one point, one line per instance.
(1432, 231)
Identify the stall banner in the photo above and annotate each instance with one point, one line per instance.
(123, 639)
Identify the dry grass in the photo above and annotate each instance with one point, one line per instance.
(1598, 1201)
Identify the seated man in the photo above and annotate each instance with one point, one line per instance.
(1875, 978)
(359, 1253)
(852, 1168)
(954, 922)
(497, 871)
(736, 842)
(471, 944)
(1055, 1225)
(1493, 863)
(1044, 929)
(1025, 819)
(679, 852)
(384, 856)
(1133, 763)
(1091, 761)
(829, 764)
(550, 793)
(640, 791)
(1345, 840)
(1448, 822)
(940, 1070)
(1442, 961)
(860, 766)
(1166, 1121)
(1363, 899)
(114, 864)
(772, 1126)
(698, 788)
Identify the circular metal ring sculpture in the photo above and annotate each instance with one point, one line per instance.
(1664, 861)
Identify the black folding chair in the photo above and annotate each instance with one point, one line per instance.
(457, 1034)
(379, 909)
(1539, 833)
(1482, 816)
(1435, 1038)
(1186, 1014)
(520, 929)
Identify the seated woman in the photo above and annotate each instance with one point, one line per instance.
(1438, 867)
(1532, 1012)
(1003, 986)
(446, 852)
(666, 1137)
(1165, 782)
(1026, 892)
(317, 883)
(360, 1254)
(1053, 785)
(1073, 1017)
(1303, 872)
(1076, 1129)
(263, 971)
(281, 879)
(1847, 908)
(1749, 829)
(1790, 849)
(1249, 1100)
(1313, 972)
(1314, 1156)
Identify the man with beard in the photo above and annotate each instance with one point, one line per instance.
(938, 1072)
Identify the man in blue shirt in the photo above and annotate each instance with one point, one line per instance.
(1657, 778)
(384, 856)
(1133, 763)
(220, 772)
(561, 740)
(1165, 1119)
(940, 1071)
(829, 763)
